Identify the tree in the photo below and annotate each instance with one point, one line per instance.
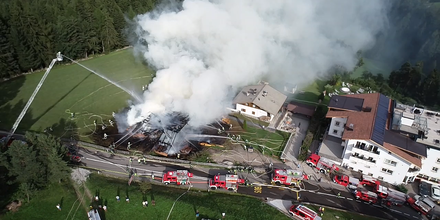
(430, 89)
(360, 62)
(50, 153)
(35, 164)
(21, 162)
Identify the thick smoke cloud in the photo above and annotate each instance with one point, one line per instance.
(205, 51)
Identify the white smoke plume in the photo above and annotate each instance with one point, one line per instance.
(205, 51)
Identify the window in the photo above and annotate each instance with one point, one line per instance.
(360, 171)
(335, 131)
(353, 162)
(337, 123)
(438, 160)
(380, 178)
(387, 171)
(370, 174)
(253, 113)
(434, 169)
(366, 166)
(390, 162)
(243, 110)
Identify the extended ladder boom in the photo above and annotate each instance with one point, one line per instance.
(26, 107)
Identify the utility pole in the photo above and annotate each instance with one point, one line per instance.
(26, 107)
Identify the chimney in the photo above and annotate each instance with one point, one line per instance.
(351, 126)
(247, 93)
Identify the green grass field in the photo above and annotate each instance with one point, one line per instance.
(276, 141)
(310, 94)
(374, 66)
(43, 205)
(332, 214)
(71, 88)
(210, 205)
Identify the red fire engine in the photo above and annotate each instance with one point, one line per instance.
(179, 177)
(73, 157)
(392, 196)
(303, 212)
(322, 164)
(287, 177)
(369, 181)
(365, 195)
(342, 180)
(421, 204)
(228, 181)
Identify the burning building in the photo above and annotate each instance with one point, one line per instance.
(159, 133)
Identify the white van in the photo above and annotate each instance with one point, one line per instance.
(353, 183)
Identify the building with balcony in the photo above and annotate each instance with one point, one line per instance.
(259, 101)
(362, 123)
(423, 126)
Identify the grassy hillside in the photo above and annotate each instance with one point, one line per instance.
(374, 66)
(71, 88)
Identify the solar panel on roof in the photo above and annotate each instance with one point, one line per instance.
(380, 120)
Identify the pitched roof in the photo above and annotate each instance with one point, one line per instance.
(362, 121)
(301, 108)
(405, 143)
(346, 103)
(263, 95)
(402, 154)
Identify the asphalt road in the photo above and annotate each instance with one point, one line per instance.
(312, 193)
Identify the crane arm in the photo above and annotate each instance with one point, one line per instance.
(26, 107)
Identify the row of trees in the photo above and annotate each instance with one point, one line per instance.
(413, 34)
(31, 32)
(408, 84)
(34, 164)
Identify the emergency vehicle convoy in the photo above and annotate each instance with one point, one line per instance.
(303, 212)
(228, 182)
(322, 164)
(288, 177)
(179, 177)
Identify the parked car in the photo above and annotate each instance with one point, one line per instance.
(435, 194)
(424, 189)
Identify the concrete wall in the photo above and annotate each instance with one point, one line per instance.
(252, 112)
(429, 163)
(399, 170)
(337, 127)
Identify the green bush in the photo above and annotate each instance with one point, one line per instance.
(402, 188)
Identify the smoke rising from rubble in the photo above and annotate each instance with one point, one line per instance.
(205, 51)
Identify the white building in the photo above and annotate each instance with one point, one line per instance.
(362, 122)
(259, 101)
(423, 125)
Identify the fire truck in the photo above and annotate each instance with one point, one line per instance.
(179, 177)
(342, 180)
(365, 195)
(369, 181)
(228, 181)
(421, 204)
(392, 196)
(322, 164)
(287, 177)
(73, 156)
(304, 212)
